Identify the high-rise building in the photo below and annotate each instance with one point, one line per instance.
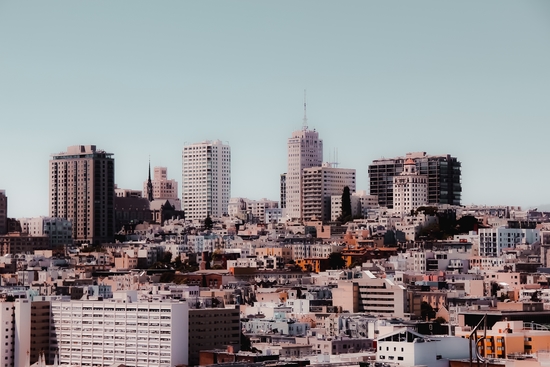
(305, 150)
(410, 190)
(283, 190)
(161, 188)
(443, 172)
(82, 190)
(319, 184)
(3, 212)
(206, 180)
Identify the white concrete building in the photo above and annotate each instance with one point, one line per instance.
(305, 150)
(59, 230)
(493, 241)
(206, 180)
(410, 190)
(15, 332)
(121, 331)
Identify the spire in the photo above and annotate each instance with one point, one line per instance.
(149, 184)
(304, 124)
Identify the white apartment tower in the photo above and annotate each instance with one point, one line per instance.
(410, 190)
(82, 190)
(206, 180)
(305, 150)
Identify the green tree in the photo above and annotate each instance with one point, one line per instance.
(208, 223)
(346, 205)
(336, 261)
(167, 257)
(426, 311)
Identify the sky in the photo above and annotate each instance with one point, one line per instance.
(141, 79)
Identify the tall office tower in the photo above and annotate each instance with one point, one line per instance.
(3, 212)
(160, 187)
(305, 150)
(410, 190)
(82, 189)
(443, 172)
(319, 184)
(206, 176)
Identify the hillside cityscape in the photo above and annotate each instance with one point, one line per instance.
(401, 273)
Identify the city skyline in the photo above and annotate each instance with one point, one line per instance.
(140, 80)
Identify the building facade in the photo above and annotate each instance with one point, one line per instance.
(82, 190)
(104, 333)
(443, 172)
(319, 184)
(206, 180)
(410, 190)
(59, 230)
(305, 150)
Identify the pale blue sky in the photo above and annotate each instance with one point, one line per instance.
(140, 78)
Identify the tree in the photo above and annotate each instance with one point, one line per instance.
(167, 257)
(336, 261)
(426, 311)
(208, 223)
(346, 205)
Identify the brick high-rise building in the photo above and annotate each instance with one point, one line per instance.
(82, 189)
(206, 180)
(443, 172)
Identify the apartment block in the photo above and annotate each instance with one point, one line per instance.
(319, 184)
(3, 212)
(410, 190)
(82, 190)
(206, 180)
(493, 241)
(59, 230)
(121, 331)
(213, 328)
(15, 331)
(20, 243)
(443, 172)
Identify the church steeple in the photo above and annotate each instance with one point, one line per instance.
(149, 185)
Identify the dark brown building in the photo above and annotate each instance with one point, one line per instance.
(16, 243)
(40, 331)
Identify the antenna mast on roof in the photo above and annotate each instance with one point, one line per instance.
(304, 123)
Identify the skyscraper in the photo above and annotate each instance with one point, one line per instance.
(82, 189)
(305, 150)
(443, 172)
(410, 190)
(206, 179)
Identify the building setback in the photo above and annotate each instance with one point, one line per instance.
(443, 172)
(82, 190)
(206, 180)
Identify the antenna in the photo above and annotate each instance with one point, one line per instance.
(304, 126)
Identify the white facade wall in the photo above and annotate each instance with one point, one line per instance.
(493, 241)
(134, 334)
(410, 190)
(206, 180)
(15, 332)
(305, 150)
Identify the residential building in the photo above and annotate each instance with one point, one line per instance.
(161, 187)
(410, 190)
(3, 212)
(15, 332)
(59, 230)
(319, 184)
(305, 150)
(40, 331)
(82, 190)
(206, 180)
(20, 243)
(213, 328)
(121, 331)
(493, 241)
(443, 172)
(283, 190)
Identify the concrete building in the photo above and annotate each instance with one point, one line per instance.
(18, 243)
(82, 190)
(305, 150)
(493, 241)
(206, 180)
(40, 331)
(161, 187)
(360, 204)
(213, 328)
(15, 332)
(3, 212)
(121, 331)
(375, 296)
(283, 190)
(443, 172)
(59, 230)
(410, 190)
(319, 184)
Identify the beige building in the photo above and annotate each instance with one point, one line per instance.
(162, 187)
(19, 243)
(82, 190)
(410, 190)
(319, 184)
